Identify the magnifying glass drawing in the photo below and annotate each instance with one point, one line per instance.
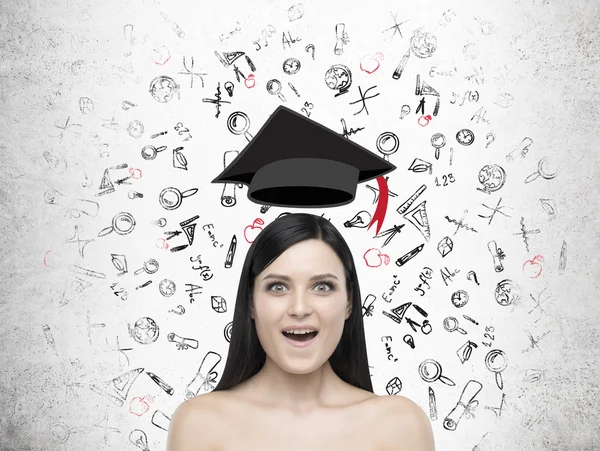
(451, 325)
(496, 362)
(149, 152)
(546, 169)
(431, 370)
(238, 123)
(150, 267)
(383, 144)
(170, 198)
(438, 141)
(122, 223)
(274, 88)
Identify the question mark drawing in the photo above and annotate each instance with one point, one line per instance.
(472, 276)
(490, 135)
(310, 47)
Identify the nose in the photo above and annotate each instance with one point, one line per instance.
(300, 305)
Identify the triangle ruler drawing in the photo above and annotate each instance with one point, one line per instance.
(189, 232)
(418, 218)
(228, 57)
(106, 182)
(398, 312)
(427, 90)
(116, 390)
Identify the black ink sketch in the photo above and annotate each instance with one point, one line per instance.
(562, 260)
(107, 428)
(480, 115)
(231, 252)
(397, 314)
(360, 220)
(402, 209)
(493, 138)
(432, 404)
(532, 375)
(400, 68)
(426, 274)
(238, 127)
(418, 217)
(149, 152)
(250, 63)
(145, 284)
(409, 255)
(367, 310)
(161, 222)
(341, 38)
(295, 12)
(49, 339)
(163, 88)
(534, 342)
(119, 261)
(135, 129)
(176, 28)
(419, 165)
(227, 331)
(291, 66)
(497, 256)
(111, 124)
(134, 195)
(460, 224)
(388, 348)
(465, 405)
(496, 209)
(217, 100)
(425, 89)
(396, 26)
(471, 275)
(170, 198)
(205, 378)
(382, 141)
(404, 111)
(436, 108)
(496, 362)
(65, 127)
(86, 105)
(162, 384)
(338, 77)
(549, 207)
(504, 100)
(80, 243)
(423, 44)
(445, 246)
(188, 226)
(293, 89)
(126, 104)
(545, 169)
(520, 149)
(346, 133)
(376, 191)
(507, 292)
(468, 318)
(229, 88)
(470, 50)
(117, 389)
(310, 48)
(464, 352)
(181, 342)
(497, 410)
(228, 58)
(391, 232)
(167, 288)
(430, 371)
(288, 40)
(144, 331)
(524, 233)
(150, 267)
(459, 298)
(421, 106)
(139, 439)
(218, 304)
(228, 198)
(465, 137)
(179, 311)
(409, 340)
(160, 420)
(451, 325)
(128, 35)
(438, 141)
(394, 386)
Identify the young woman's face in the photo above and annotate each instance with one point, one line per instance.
(305, 286)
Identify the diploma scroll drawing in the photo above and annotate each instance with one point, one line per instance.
(465, 404)
(204, 379)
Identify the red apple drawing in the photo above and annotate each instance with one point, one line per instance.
(369, 63)
(532, 268)
(250, 81)
(138, 406)
(373, 258)
(251, 231)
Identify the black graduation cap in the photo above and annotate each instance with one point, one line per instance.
(294, 161)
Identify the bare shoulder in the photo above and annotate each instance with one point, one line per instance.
(194, 424)
(404, 425)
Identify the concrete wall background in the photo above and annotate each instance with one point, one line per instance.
(75, 77)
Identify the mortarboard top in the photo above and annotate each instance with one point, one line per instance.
(294, 161)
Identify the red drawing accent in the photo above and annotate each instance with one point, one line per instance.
(138, 405)
(373, 258)
(45, 263)
(531, 271)
(135, 173)
(424, 118)
(370, 63)
(161, 243)
(250, 81)
(250, 236)
(161, 55)
(379, 215)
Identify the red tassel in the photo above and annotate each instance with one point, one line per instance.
(381, 209)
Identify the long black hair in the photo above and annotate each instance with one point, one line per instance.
(246, 356)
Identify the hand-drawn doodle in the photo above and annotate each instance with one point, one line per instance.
(338, 77)
(86, 105)
(367, 310)
(496, 209)
(459, 298)
(49, 338)
(126, 105)
(396, 26)
(117, 389)
(520, 149)
(525, 233)
(419, 165)
(492, 177)
(237, 127)
(227, 331)
(176, 28)
(409, 340)
(430, 371)
(507, 292)
(149, 152)
(432, 404)
(346, 133)
(291, 66)
(139, 405)
(361, 220)
(376, 190)
(80, 243)
(451, 325)
(471, 275)
(546, 168)
(206, 377)
(310, 48)
(181, 342)
(144, 331)
(394, 386)
(370, 63)
(139, 439)
(382, 144)
(295, 12)
(188, 71)
(464, 352)
(532, 268)
(163, 88)
(217, 100)
(231, 252)
(229, 88)
(409, 255)
(388, 348)
(465, 137)
(391, 232)
(166, 287)
(496, 362)
(465, 405)
(445, 246)
(150, 266)
(180, 310)
(373, 258)
(491, 137)
(179, 160)
(438, 140)
(423, 44)
(134, 195)
(341, 38)
(288, 40)
(135, 129)
(160, 420)
(562, 260)
(274, 88)
(170, 198)
(404, 111)
(218, 304)
(549, 207)
(418, 217)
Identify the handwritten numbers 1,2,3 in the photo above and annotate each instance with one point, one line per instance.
(445, 180)
(309, 106)
(487, 335)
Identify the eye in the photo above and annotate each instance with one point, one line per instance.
(270, 286)
(327, 284)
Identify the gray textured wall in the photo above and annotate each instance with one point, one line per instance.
(75, 76)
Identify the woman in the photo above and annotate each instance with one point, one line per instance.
(305, 390)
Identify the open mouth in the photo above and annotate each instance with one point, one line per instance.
(300, 337)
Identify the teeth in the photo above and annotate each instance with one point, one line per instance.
(299, 331)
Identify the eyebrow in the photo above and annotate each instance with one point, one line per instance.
(288, 278)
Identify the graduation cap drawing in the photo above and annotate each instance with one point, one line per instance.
(294, 161)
